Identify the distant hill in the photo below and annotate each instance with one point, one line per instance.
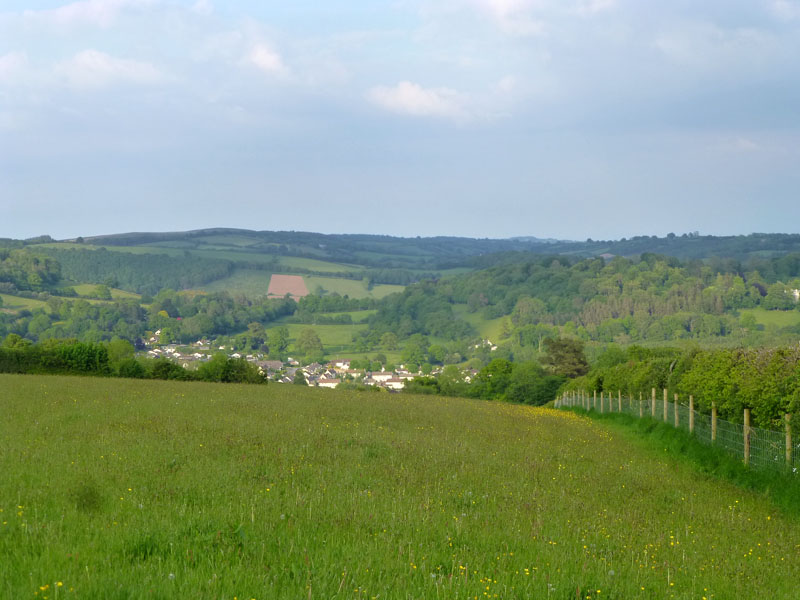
(441, 252)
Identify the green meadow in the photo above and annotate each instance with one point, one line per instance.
(773, 318)
(116, 489)
(17, 303)
(88, 289)
(335, 338)
(350, 287)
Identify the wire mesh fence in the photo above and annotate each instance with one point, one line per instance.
(760, 448)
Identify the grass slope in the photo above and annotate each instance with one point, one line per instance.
(226, 253)
(487, 328)
(124, 489)
(773, 318)
(88, 289)
(351, 287)
(16, 303)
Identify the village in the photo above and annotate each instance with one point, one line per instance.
(327, 375)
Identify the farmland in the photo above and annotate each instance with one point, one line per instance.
(123, 489)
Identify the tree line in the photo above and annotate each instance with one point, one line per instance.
(115, 359)
(765, 380)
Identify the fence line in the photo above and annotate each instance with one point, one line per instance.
(757, 447)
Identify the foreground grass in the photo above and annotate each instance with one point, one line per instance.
(126, 489)
(781, 487)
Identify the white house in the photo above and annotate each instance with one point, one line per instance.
(395, 383)
(328, 383)
(381, 376)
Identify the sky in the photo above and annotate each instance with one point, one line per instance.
(561, 119)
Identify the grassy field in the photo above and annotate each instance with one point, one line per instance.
(15, 303)
(119, 489)
(773, 318)
(255, 282)
(351, 287)
(335, 338)
(231, 254)
(250, 282)
(487, 328)
(88, 289)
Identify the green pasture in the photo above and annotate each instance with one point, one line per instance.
(113, 489)
(350, 287)
(313, 264)
(334, 338)
(773, 318)
(250, 282)
(487, 328)
(88, 289)
(220, 253)
(16, 303)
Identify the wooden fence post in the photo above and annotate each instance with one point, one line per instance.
(675, 406)
(602, 402)
(653, 404)
(746, 434)
(691, 414)
(713, 422)
(619, 399)
(788, 440)
(641, 406)
(595, 400)
(665, 405)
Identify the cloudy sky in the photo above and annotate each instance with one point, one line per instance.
(483, 118)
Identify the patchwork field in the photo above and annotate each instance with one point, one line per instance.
(132, 489)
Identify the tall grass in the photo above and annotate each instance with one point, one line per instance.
(144, 489)
(783, 488)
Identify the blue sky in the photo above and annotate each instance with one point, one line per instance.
(482, 118)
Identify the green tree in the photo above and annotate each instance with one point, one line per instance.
(531, 384)
(103, 292)
(118, 351)
(309, 344)
(389, 341)
(13, 340)
(566, 357)
(494, 378)
(436, 352)
(278, 340)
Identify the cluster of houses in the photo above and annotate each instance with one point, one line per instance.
(328, 375)
(335, 372)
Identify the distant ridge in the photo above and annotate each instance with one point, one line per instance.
(442, 252)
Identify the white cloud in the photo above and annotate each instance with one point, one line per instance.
(786, 9)
(95, 69)
(702, 46)
(536, 17)
(412, 99)
(101, 13)
(203, 7)
(742, 144)
(266, 59)
(514, 16)
(12, 66)
(593, 7)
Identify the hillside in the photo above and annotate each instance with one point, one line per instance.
(199, 490)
